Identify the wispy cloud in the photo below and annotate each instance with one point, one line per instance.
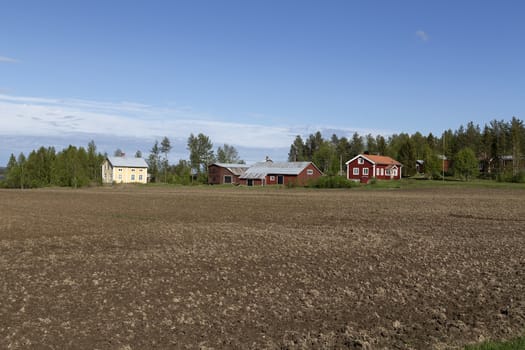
(5, 59)
(423, 36)
(115, 124)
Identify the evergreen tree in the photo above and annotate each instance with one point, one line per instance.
(154, 162)
(297, 151)
(407, 156)
(356, 146)
(12, 173)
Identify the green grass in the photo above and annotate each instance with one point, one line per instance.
(448, 183)
(515, 344)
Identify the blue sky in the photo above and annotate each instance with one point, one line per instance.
(252, 73)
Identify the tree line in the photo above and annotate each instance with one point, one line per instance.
(195, 169)
(79, 166)
(72, 167)
(495, 151)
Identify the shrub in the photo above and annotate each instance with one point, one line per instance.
(332, 182)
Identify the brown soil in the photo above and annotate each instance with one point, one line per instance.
(162, 268)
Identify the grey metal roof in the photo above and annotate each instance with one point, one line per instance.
(128, 162)
(236, 169)
(261, 169)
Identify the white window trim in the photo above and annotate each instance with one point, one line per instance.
(309, 172)
(365, 171)
(355, 171)
(360, 161)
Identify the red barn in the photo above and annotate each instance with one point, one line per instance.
(280, 173)
(366, 166)
(224, 173)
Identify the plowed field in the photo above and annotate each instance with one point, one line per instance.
(174, 268)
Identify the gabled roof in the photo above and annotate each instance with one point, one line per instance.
(378, 160)
(236, 169)
(126, 162)
(261, 169)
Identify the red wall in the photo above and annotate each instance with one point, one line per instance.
(216, 175)
(300, 180)
(371, 175)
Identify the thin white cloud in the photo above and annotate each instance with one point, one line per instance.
(35, 118)
(423, 36)
(52, 117)
(5, 59)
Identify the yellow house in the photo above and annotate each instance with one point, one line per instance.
(124, 170)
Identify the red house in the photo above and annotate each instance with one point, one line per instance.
(225, 173)
(366, 166)
(280, 173)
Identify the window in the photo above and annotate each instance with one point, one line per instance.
(356, 171)
(394, 171)
(140, 170)
(309, 172)
(360, 161)
(378, 172)
(365, 171)
(272, 178)
(140, 177)
(382, 171)
(119, 169)
(227, 179)
(133, 169)
(132, 177)
(387, 172)
(120, 176)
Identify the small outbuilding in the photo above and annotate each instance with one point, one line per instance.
(225, 173)
(280, 173)
(124, 170)
(364, 167)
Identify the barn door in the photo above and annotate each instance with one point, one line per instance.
(280, 179)
(249, 182)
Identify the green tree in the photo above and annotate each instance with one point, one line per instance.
(356, 146)
(94, 161)
(228, 154)
(201, 153)
(325, 158)
(312, 145)
(154, 162)
(466, 164)
(517, 134)
(12, 173)
(297, 151)
(371, 144)
(407, 156)
(165, 148)
(381, 145)
(431, 162)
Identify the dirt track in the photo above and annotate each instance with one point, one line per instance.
(146, 268)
